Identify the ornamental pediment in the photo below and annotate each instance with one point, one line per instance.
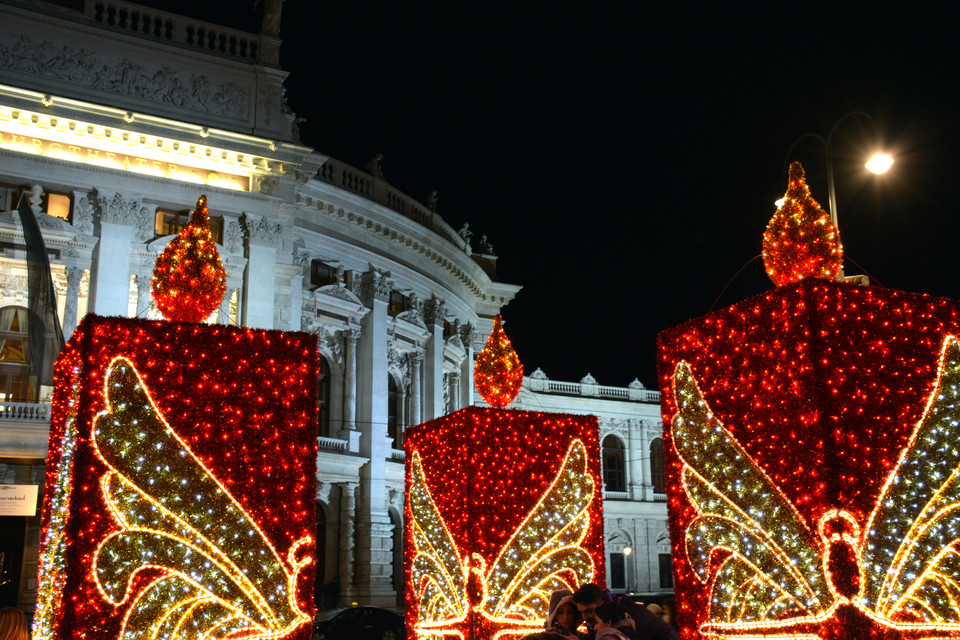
(338, 302)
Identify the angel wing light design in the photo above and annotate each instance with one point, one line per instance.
(776, 578)
(542, 555)
(218, 574)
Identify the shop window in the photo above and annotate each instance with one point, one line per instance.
(656, 466)
(614, 465)
(17, 382)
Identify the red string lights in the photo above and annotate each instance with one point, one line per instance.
(812, 467)
(188, 277)
(497, 372)
(181, 492)
(502, 508)
(801, 241)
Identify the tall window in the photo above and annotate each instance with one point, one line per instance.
(398, 303)
(614, 465)
(17, 382)
(323, 404)
(394, 407)
(656, 466)
(618, 571)
(666, 571)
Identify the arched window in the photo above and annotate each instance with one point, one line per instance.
(394, 413)
(323, 398)
(614, 465)
(656, 466)
(17, 380)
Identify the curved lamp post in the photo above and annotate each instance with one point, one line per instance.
(878, 163)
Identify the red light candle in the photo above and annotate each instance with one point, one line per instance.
(180, 496)
(810, 462)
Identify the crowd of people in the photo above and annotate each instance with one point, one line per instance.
(592, 613)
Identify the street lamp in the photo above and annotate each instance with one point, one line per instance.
(878, 163)
(626, 569)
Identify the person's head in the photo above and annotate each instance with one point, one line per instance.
(543, 635)
(655, 609)
(608, 615)
(587, 598)
(669, 607)
(563, 611)
(13, 624)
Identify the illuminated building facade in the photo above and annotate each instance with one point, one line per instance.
(114, 118)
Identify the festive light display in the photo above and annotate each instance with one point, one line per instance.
(502, 508)
(801, 240)
(497, 372)
(812, 465)
(188, 277)
(155, 524)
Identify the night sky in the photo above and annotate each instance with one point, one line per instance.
(623, 158)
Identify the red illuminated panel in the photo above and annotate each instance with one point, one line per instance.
(502, 508)
(181, 482)
(812, 465)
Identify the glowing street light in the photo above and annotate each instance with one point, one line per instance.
(878, 163)
(626, 569)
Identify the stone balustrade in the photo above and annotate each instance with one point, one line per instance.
(342, 175)
(633, 393)
(32, 412)
(151, 23)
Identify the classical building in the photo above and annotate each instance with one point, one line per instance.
(635, 500)
(114, 118)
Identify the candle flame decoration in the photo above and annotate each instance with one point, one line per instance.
(188, 277)
(801, 241)
(498, 373)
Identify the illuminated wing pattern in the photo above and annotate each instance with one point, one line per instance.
(544, 553)
(438, 574)
(911, 569)
(774, 568)
(219, 576)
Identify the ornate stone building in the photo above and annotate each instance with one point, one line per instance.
(114, 118)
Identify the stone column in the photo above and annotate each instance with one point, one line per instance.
(260, 290)
(348, 511)
(433, 407)
(644, 454)
(635, 459)
(349, 430)
(454, 392)
(144, 296)
(416, 415)
(374, 558)
(71, 304)
(466, 367)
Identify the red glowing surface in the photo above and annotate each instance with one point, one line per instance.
(243, 400)
(822, 385)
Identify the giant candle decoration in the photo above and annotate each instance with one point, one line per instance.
(502, 508)
(812, 464)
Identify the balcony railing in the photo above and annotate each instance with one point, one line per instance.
(333, 445)
(594, 390)
(24, 412)
(342, 175)
(146, 22)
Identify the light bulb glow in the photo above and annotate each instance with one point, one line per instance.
(879, 163)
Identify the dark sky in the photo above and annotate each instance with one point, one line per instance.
(623, 158)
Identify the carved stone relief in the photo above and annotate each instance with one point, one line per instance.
(262, 232)
(72, 65)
